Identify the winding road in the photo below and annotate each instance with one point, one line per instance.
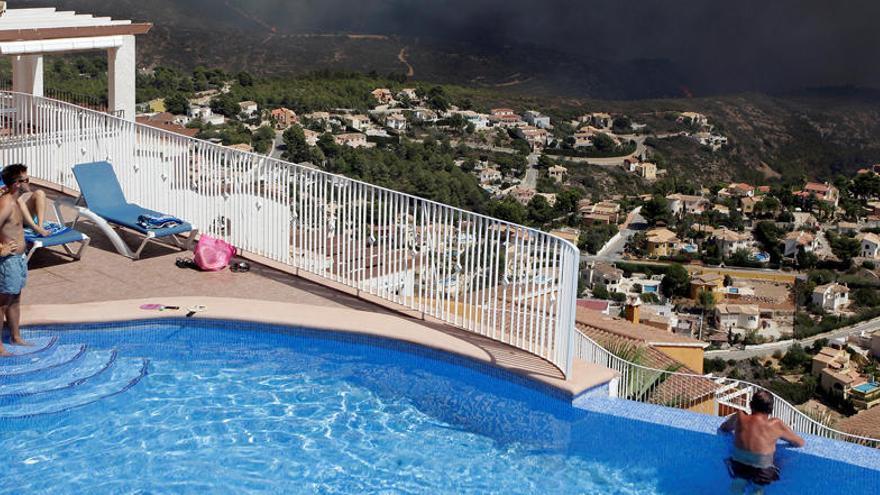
(783, 346)
(410, 70)
(613, 249)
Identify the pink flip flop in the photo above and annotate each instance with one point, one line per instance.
(159, 307)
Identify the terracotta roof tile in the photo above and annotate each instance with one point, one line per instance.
(865, 423)
(683, 388)
(625, 329)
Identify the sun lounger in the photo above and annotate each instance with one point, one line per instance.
(61, 235)
(105, 205)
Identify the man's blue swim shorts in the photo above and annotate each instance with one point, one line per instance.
(13, 274)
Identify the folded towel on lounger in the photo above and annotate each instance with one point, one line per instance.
(158, 221)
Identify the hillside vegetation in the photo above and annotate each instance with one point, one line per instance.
(772, 138)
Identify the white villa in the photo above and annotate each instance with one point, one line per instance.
(396, 121)
(488, 175)
(798, 240)
(831, 297)
(357, 122)
(730, 242)
(557, 173)
(537, 119)
(870, 245)
(249, 108)
(737, 316)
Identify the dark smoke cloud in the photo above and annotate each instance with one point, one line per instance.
(718, 45)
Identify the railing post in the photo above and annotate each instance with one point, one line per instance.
(565, 328)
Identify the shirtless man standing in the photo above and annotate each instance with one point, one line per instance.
(13, 264)
(754, 443)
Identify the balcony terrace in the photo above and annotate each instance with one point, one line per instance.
(329, 252)
(387, 263)
(105, 286)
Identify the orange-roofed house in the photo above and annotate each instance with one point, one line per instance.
(823, 191)
(707, 282)
(662, 242)
(382, 95)
(284, 118)
(740, 190)
(166, 122)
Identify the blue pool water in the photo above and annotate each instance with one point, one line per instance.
(213, 407)
(867, 387)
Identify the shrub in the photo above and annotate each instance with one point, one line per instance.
(713, 365)
(796, 393)
(649, 298)
(618, 297)
(796, 358)
(601, 292)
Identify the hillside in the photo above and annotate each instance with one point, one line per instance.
(815, 134)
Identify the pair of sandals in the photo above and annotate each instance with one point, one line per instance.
(240, 267)
(186, 263)
(237, 267)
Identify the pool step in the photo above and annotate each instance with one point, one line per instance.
(26, 353)
(124, 374)
(50, 378)
(92, 365)
(40, 365)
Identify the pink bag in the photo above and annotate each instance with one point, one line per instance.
(212, 254)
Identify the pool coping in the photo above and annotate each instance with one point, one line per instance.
(584, 376)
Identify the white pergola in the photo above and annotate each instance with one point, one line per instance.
(27, 35)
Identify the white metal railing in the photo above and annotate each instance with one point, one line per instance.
(82, 100)
(718, 396)
(505, 281)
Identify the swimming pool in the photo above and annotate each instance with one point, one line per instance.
(220, 407)
(867, 387)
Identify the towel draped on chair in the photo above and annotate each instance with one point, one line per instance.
(150, 221)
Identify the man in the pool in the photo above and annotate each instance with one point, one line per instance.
(13, 263)
(754, 443)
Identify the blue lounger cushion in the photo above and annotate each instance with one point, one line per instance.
(127, 215)
(65, 237)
